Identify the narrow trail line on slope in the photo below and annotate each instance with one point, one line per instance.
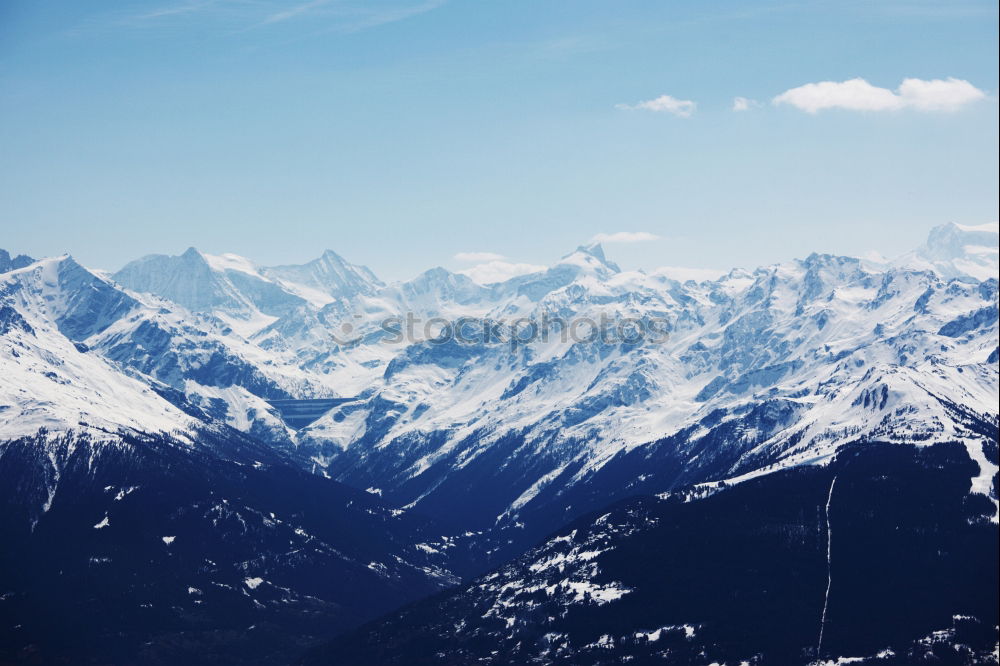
(829, 570)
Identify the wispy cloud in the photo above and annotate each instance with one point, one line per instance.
(744, 104)
(292, 12)
(373, 18)
(175, 10)
(858, 95)
(227, 10)
(663, 104)
(492, 267)
(474, 257)
(499, 271)
(244, 15)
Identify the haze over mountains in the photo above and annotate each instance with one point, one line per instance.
(153, 398)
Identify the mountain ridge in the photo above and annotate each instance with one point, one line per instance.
(544, 408)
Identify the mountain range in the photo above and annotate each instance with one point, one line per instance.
(211, 457)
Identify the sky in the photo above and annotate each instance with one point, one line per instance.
(407, 134)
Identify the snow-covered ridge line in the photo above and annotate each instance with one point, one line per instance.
(762, 369)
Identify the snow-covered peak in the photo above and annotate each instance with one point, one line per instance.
(51, 379)
(186, 279)
(954, 240)
(590, 257)
(226, 284)
(585, 264)
(438, 277)
(228, 262)
(958, 251)
(325, 278)
(435, 292)
(8, 263)
(76, 300)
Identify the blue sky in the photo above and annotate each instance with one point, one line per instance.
(403, 133)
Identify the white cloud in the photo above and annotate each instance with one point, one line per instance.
(625, 237)
(664, 103)
(744, 104)
(939, 95)
(499, 271)
(855, 95)
(477, 257)
(859, 95)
